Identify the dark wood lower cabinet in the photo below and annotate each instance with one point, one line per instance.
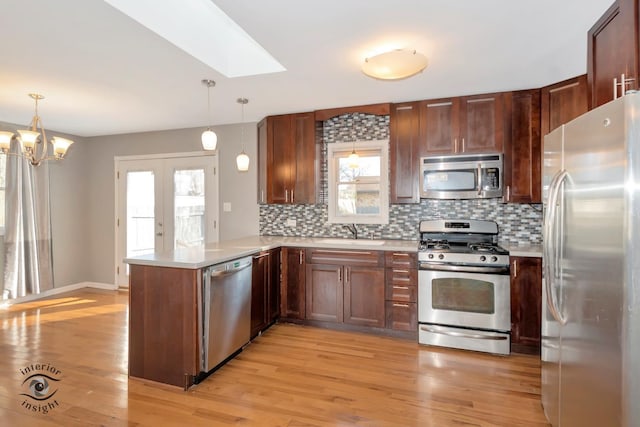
(324, 297)
(292, 285)
(163, 324)
(526, 304)
(401, 291)
(265, 290)
(364, 296)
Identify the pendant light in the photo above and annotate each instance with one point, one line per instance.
(354, 159)
(242, 160)
(209, 137)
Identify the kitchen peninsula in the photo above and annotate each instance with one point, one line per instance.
(165, 296)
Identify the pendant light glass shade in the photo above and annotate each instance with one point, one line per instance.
(209, 137)
(242, 162)
(209, 140)
(354, 160)
(5, 141)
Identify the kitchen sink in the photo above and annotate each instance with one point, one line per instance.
(362, 242)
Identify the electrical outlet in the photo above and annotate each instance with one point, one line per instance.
(291, 223)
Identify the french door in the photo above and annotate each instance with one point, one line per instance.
(164, 204)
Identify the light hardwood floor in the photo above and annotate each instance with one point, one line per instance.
(290, 376)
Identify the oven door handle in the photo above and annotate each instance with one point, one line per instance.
(464, 335)
(463, 268)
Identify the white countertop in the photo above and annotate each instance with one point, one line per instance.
(525, 250)
(215, 253)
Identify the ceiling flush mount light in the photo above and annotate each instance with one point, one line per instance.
(209, 137)
(33, 141)
(242, 161)
(395, 65)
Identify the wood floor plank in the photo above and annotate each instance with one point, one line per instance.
(290, 376)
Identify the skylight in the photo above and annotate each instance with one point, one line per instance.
(205, 32)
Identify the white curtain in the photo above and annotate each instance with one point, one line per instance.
(28, 249)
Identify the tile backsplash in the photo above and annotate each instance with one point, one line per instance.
(518, 223)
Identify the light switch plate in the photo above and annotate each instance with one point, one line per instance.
(226, 206)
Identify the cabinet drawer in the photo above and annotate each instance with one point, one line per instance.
(401, 316)
(401, 260)
(401, 293)
(349, 257)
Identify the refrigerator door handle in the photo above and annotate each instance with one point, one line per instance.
(551, 256)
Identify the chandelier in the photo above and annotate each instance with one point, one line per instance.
(34, 146)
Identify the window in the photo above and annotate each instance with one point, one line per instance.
(359, 194)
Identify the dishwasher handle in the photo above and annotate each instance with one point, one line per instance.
(223, 271)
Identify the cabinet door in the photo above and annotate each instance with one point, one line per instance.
(404, 156)
(612, 51)
(293, 283)
(324, 300)
(523, 153)
(273, 287)
(281, 157)
(526, 303)
(438, 126)
(364, 296)
(259, 283)
(262, 161)
(481, 124)
(302, 188)
(562, 102)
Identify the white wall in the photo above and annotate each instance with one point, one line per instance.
(238, 188)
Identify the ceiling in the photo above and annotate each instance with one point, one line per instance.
(102, 73)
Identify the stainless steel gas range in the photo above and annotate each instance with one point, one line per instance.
(463, 286)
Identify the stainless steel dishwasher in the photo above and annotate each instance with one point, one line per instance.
(227, 311)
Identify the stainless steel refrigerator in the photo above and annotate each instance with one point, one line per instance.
(591, 300)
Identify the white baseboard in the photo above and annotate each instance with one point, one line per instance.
(60, 290)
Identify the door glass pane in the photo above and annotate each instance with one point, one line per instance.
(140, 213)
(468, 295)
(189, 206)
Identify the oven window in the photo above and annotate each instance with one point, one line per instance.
(468, 295)
(451, 180)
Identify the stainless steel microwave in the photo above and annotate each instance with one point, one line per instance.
(465, 176)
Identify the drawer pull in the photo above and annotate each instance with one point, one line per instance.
(401, 271)
(400, 254)
(395, 304)
(338, 252)
(401, 287)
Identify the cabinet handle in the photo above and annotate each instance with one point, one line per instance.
(515, 268)
(340, 275)
(292, 196)
(261, 196)
(261, 255)
(615, 87)
(479, 178)
(286, 196)
(463, 145)
(341, 252)
(400, 254)
(396, 304)
(301, 257)
(401, 287)
(508, 198)
(400, 271)
(455, 145)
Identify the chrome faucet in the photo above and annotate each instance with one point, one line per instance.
(352, 228)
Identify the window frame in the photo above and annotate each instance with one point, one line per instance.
(337, 150)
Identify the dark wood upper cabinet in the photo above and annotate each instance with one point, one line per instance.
(482, 124)
(404, 146)
(289, 174)
(562, 102)
(613, 53)
(438, 126)
(522, 156)
(468, 124)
